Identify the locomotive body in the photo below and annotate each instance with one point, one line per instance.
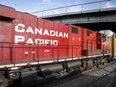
(32, 48)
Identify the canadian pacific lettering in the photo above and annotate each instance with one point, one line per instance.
(21, 38)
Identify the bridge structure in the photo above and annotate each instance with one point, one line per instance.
(93, 15)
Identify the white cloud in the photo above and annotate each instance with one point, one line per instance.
(107, 32)
(46, 0)
(108, 5)
(56, 12)
(74, 9)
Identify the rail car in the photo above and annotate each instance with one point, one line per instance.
(33, 49)
(112, 42)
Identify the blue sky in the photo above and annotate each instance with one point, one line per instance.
(38, 5)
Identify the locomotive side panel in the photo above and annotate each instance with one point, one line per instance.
(87, 42)
(18, 51)
(63, 41)
(99, 46)
(45, 50)
(94, 40)
(40, 46)
(55, 49)
(92, 43)
(6, 39)
(75, 41)
(21, 37)
(53, 39)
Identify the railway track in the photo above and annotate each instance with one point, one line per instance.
(96, 77)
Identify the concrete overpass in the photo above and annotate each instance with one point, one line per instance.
(95, 18)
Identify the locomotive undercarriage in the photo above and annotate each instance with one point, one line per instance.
(34, 74)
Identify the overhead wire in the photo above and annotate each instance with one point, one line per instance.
(9, 2)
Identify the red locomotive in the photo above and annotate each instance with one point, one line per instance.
(33, 48)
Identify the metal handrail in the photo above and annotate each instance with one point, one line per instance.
(65, 10)
(68, 48)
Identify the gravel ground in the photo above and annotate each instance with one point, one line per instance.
(97, 77)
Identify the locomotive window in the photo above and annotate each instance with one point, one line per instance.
(89, 33)
(74, 30)
(6, 19)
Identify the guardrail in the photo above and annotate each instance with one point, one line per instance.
(97, 5)
(13, 52)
